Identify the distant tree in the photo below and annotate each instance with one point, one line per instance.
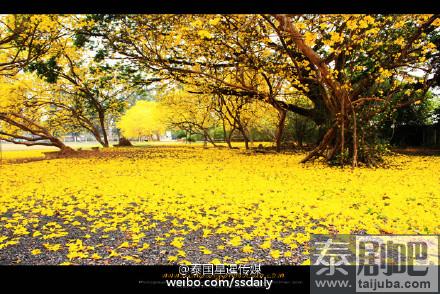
(144, 119)
(190, 112)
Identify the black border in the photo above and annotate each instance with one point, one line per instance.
(133, 279)
(219, 6)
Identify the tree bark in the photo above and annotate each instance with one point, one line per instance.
(225, 136)
(103, 130)
(230, 138)
(336, 99)
(245, 137)
(280, 128)
(207, 138)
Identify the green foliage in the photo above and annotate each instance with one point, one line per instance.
(48, 70)
(178, 134)
(301, 130)
(79, 40)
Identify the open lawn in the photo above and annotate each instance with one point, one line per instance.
(186, 204)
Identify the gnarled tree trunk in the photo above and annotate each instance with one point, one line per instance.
(337, 102)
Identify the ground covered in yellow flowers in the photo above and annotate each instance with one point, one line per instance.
(181, 204)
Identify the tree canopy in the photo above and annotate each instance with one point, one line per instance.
(348, 74)
(144, 119)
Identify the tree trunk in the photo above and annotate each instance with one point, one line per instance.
(251, 138)
(229, 138)
(63, 147)
(104, 143)
(280, 128)
(225, 135)
(337, 101)
(205, 141)
(189, 138)
(245, 137)
(300, 141)
(207, 138)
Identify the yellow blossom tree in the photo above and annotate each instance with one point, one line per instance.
(144, 119)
